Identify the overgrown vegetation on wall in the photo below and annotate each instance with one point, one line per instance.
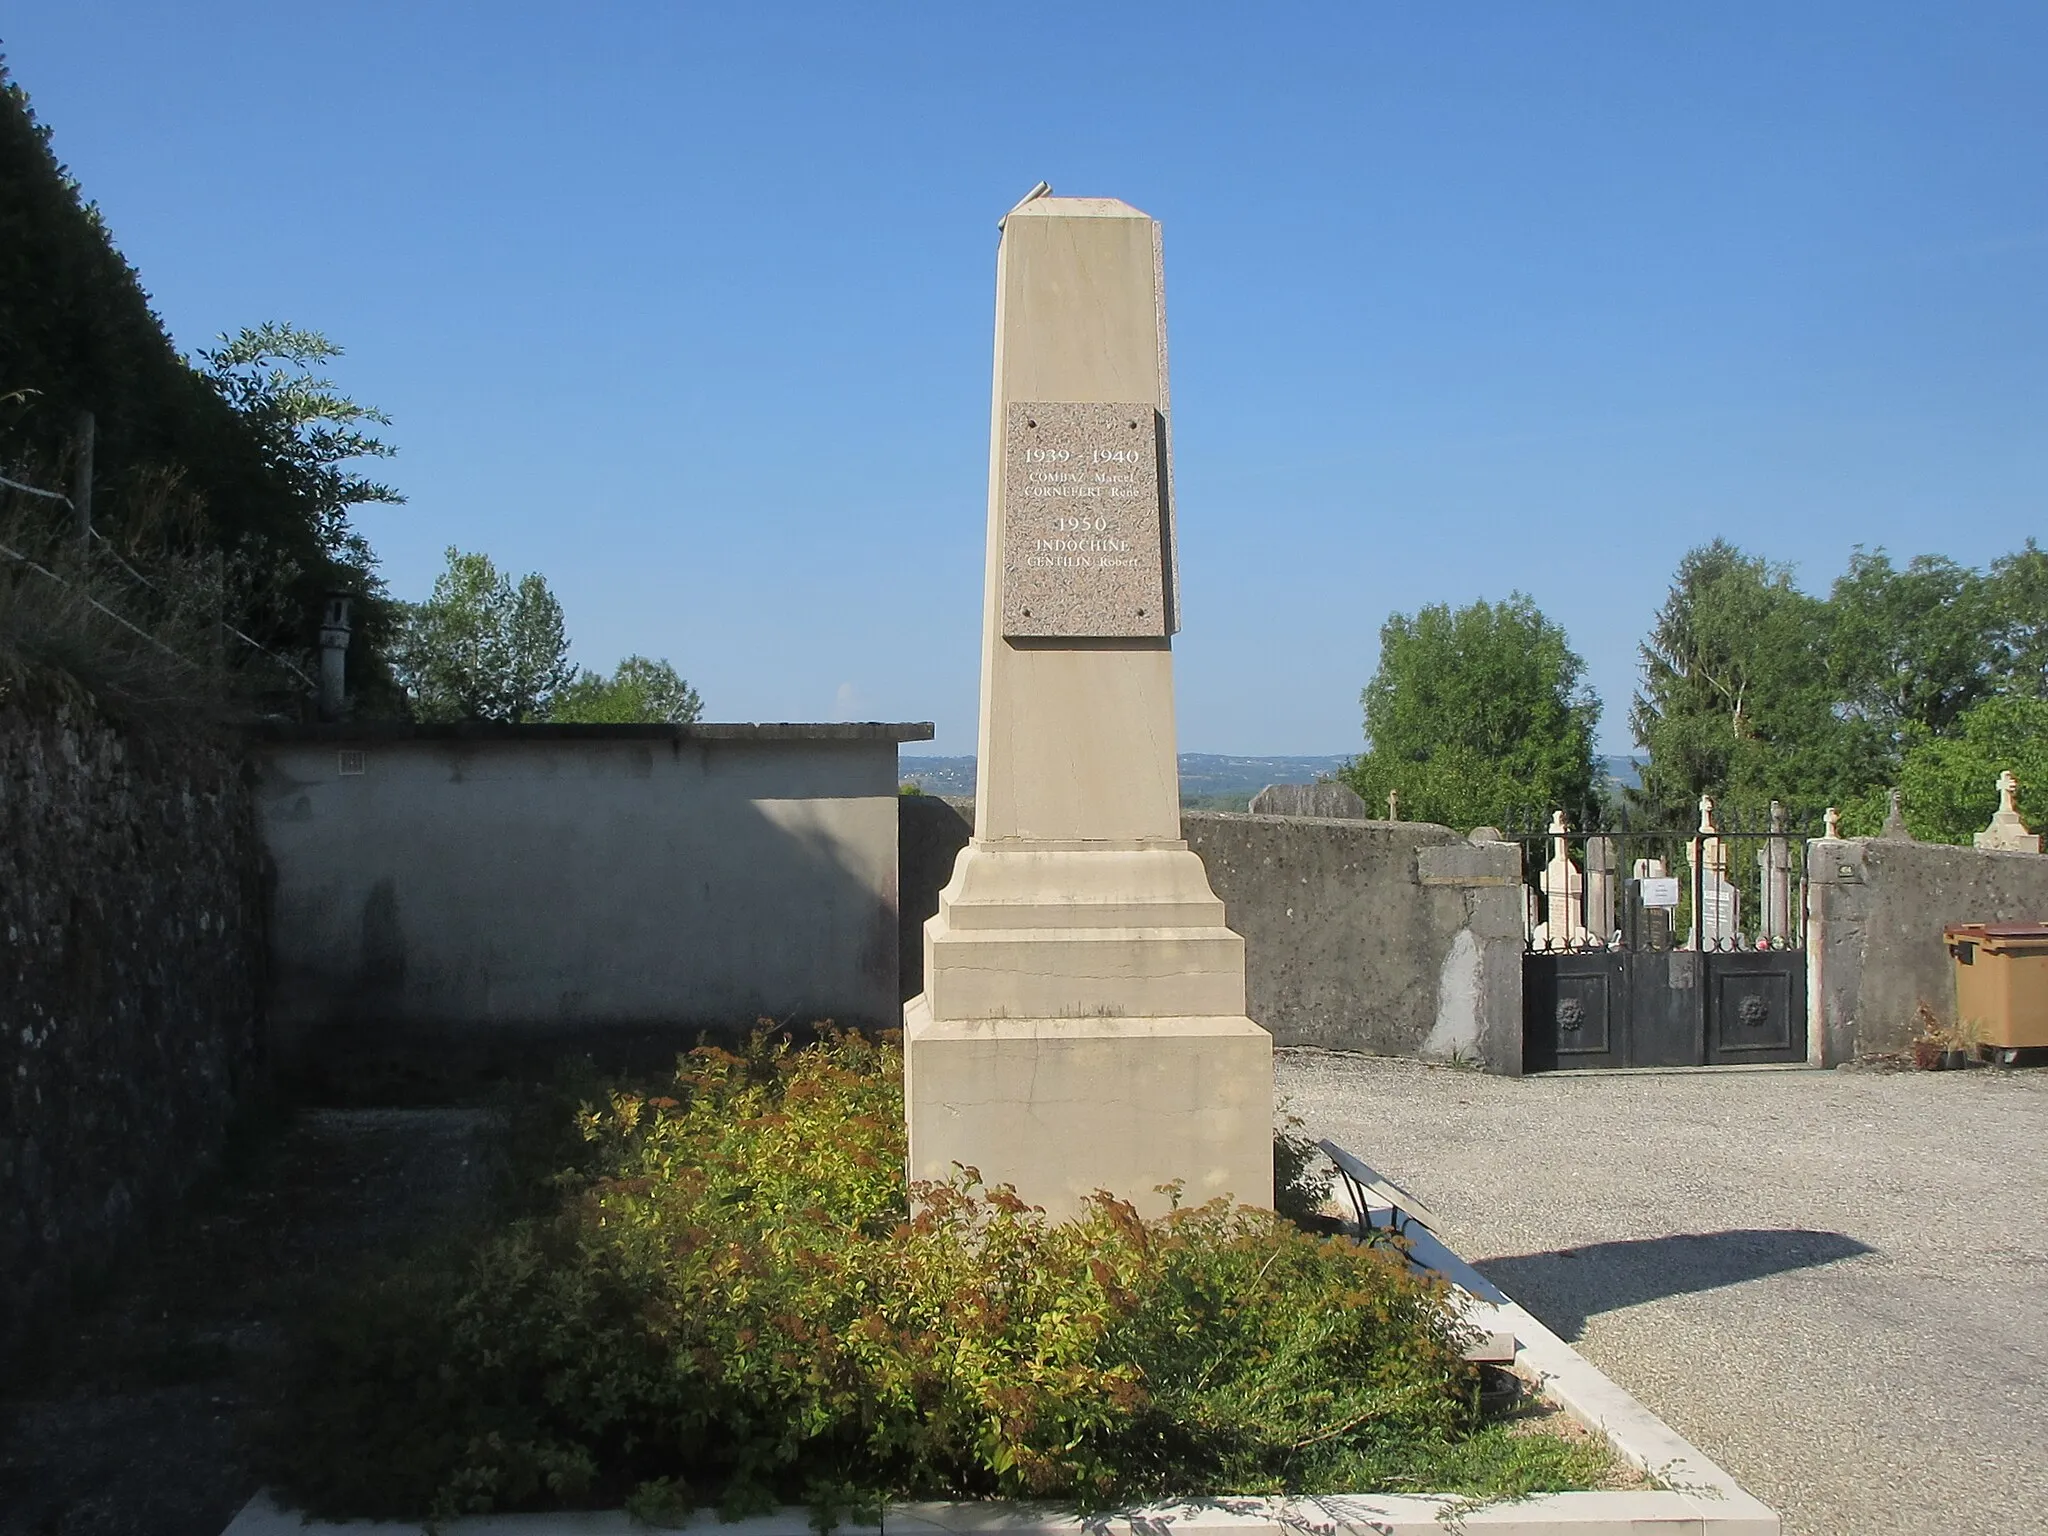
(233, 472)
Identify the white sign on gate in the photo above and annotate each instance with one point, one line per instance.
(1659, 893)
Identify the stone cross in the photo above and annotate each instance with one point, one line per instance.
(1895, 820)
(2007, 833)
(1710, 852)
(1774, 864)
(1393, 805)
(1715, 923)
(1083, 1023)
(1831, 821)
(1563, 891)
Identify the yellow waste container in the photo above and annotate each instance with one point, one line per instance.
(2002, 981)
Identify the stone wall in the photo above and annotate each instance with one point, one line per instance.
(1877, 907)
(1398, 938)
(131, 910)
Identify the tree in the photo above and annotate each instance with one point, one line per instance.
(1477, 717)
(1948, 785)
(2019, 602)
(1912, 649)
(1736, 698)
(639, 690)
(482, 649)
(307, 428)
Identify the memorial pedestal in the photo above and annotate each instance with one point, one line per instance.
(1083, 1028)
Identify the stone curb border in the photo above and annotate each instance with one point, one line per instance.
(1697, 1499)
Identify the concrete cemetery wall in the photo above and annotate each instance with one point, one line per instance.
(131, 910)
(1399, 938)
(1876, 909)
(476, 890)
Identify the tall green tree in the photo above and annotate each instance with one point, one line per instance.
(639, 691)
(2019, 601)
(1737, 698)
(310, 432)
(482, 648)
(1912, 649)
(1477, 716)
(1948, 785)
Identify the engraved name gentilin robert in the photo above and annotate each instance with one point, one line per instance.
(1084, 539)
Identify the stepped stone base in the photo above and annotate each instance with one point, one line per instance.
(1061, 1108)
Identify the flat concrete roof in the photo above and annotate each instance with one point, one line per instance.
(492, 730)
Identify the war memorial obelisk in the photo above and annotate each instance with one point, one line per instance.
(1083, 1024)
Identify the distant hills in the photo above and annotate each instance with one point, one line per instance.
(1624, 772)
(1209, 781)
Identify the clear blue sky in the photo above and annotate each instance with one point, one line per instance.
(688, 306)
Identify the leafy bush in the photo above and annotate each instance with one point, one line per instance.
(1301, 1175)
(137, 632)
(735, 1300)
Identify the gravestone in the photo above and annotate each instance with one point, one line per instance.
(1083, 1024)
(1564, 888)
(1652, 897)
(1331, 800)
(1600, 859)
(1719, 909)
(1774, 868)
(2007, 833)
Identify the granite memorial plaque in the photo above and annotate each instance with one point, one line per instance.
(1086, 534)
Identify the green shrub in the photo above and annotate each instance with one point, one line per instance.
(1302, 1176)
(736, 1301)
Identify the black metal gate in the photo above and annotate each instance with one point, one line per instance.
(1664, 949)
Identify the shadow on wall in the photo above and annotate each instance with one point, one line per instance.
(474, 913)
(1566, 1286)
(930, 833)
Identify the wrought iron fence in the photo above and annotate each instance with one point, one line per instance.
(1718, 887)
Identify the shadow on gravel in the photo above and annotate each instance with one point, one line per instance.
(1568, 1285)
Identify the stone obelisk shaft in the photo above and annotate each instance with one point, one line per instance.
(1077, 736)
(1083, 1021)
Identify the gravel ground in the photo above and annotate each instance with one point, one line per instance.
(1834, 1283)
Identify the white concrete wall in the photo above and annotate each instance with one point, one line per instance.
(544, 881)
